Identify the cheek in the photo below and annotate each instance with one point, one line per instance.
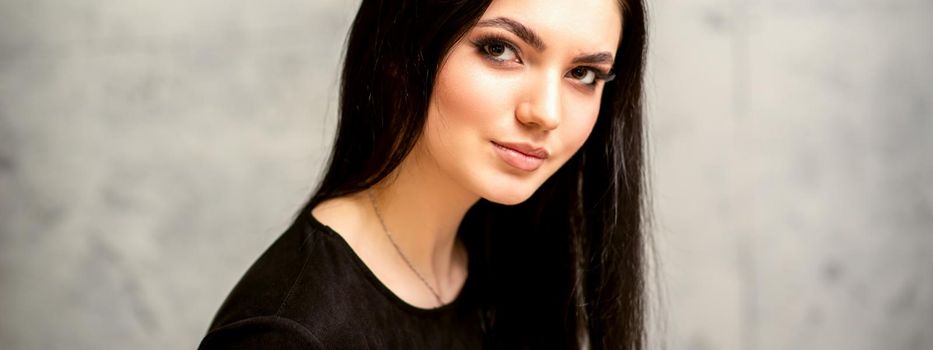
(578, 123)
(466, 93)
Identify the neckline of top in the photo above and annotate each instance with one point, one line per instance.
(381, 287)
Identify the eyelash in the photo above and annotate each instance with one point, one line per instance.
(483, 42)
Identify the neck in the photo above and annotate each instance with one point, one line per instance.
(422, 209)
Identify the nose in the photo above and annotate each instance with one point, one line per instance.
(541, 106)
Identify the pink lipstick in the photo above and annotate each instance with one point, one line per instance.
(521, 156)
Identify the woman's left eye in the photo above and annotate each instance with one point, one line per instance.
(584, 75)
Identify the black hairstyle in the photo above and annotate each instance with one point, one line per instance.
(564, 267)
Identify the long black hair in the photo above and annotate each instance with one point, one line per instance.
(564, 267)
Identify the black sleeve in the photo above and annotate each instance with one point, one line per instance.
(267, 332)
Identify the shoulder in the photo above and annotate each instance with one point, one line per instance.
(271, 280)
(346, 216)
(271, 332)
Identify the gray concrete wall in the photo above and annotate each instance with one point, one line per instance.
(793, 172)
(150, 150)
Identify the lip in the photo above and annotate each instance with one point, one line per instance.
(521, 155)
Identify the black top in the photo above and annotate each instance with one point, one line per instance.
(310, 290)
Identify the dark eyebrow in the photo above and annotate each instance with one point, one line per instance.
(596, 58)
(532, 38)
(520, 30)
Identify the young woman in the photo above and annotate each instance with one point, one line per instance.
(485, 189)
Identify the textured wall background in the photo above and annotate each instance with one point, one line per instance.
(793, 171)
(150, 150)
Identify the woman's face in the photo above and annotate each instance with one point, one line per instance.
(519, 94)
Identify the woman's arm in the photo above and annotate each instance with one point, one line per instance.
(265, 332)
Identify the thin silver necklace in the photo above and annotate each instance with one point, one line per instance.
(399, 250)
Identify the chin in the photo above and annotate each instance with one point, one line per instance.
(507, 193)
(507, 199)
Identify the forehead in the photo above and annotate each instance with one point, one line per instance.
(571, 24)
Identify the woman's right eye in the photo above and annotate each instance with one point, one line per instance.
(497, 50)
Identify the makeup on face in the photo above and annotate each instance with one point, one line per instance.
(502, 51)
(520, 93)
(521, 156)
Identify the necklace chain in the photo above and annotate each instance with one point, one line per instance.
(399, 250)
